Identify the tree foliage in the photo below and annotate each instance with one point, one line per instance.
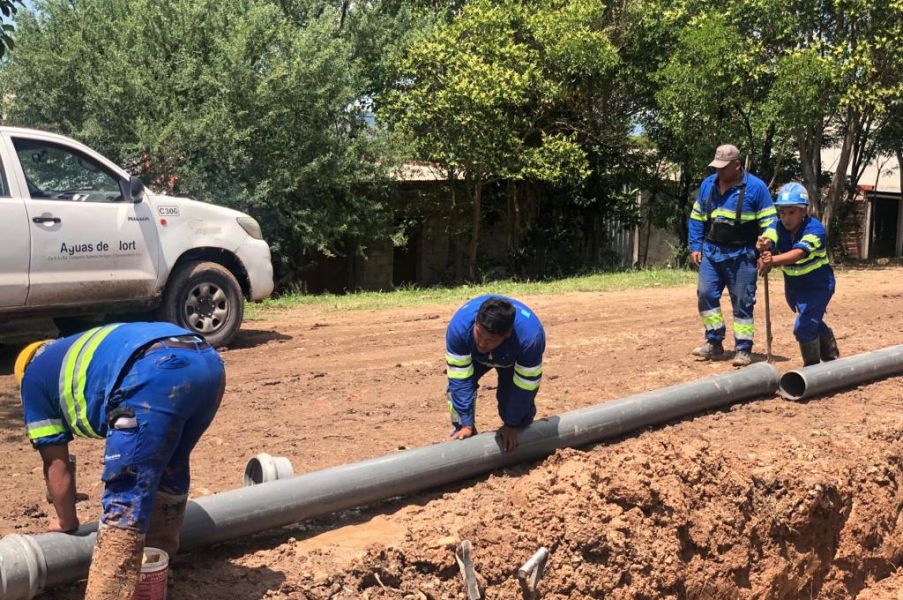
(231, 101)
(550, 113)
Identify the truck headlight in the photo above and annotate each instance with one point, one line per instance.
(251, 227)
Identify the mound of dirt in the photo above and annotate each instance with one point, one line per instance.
(662, 518)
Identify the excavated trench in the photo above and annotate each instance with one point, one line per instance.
(660, 517)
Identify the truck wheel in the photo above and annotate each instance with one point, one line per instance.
(205, 298)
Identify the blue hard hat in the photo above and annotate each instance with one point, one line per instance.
(792, 194)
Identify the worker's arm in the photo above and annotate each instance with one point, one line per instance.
(696, 224)
(462, 383)
(777, 260)
(61, 485)
(526, 379)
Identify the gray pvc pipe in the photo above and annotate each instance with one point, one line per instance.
(844, 372)
(42, 561)
(264, 468)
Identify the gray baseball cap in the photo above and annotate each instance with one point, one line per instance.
(724, 154)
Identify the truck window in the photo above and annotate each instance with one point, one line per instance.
(4, 188)
(56, 172)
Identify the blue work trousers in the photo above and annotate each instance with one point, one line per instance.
(809, 300)
(513, 411)
(738, 273)
(174, 394)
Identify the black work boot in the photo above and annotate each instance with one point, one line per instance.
(828, 346)
(709, 350)
(811, 352)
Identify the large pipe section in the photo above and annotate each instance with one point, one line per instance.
(29, 564)
(826, 377)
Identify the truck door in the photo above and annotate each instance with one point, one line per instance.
(14, 236)
(89, 244)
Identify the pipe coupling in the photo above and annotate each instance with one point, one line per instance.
(263, 468)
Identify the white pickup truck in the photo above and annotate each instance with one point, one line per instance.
(82, 240)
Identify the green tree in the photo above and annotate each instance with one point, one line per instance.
(475, 95)
(8, 9)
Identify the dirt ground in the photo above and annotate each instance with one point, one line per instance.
(770, 499)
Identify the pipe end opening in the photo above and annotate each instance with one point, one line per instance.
(253, 472)
(793, 385)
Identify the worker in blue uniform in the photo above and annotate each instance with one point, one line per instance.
(494, 332)
(150, 390)
(732, 208)
(797, 245)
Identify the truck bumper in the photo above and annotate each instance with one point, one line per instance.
(255, 256)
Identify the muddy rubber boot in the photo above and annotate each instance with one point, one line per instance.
(811, 352)
(709, 350)
(741, 358)
(827, 344)
(166, 522)
(115, 564)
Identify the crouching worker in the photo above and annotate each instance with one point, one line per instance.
(494, 332)
(150, 390)
(796, 243)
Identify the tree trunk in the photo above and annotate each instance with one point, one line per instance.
(839, 181)
(477, 196)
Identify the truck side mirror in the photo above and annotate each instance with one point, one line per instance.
(136, 189)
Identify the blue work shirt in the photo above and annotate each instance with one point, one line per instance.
(811, 270)
(710, 206)
(67, 384)
(522, 351)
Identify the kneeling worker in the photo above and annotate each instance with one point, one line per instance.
(494, 332)
(150, 389)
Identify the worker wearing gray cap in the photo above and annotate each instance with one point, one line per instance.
(732, 209)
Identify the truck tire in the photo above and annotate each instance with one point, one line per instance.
(205, 298)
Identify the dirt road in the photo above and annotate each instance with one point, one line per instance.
(772, 499)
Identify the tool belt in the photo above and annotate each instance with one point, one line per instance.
(730, 233)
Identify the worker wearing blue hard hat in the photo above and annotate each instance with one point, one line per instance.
(797, 244)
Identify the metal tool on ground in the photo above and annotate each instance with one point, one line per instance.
(465, 563)
(531, 572)
(767, 322)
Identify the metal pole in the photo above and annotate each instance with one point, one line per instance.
(826, 377)
(42, 561)
(768, 356)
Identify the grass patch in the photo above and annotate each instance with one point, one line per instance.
(412, 296)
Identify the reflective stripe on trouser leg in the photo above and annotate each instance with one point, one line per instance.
(712, 319)
(744, 329)
(708, 297)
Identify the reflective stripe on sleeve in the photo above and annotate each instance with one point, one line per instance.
(529, 385)
(458, 360)
(528, 371)
(45, 428)
(460, 372)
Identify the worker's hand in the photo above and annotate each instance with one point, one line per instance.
(54, 525)
(763, 244)
(463, 433)
(696, 257)
(509, 437)
(765, 263)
